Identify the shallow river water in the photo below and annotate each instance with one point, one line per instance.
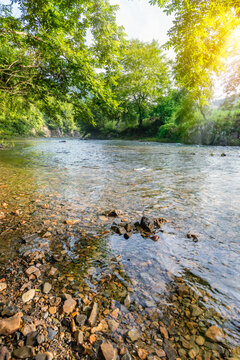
(193, 187)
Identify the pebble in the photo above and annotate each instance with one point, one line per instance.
(10, 325)
(29, 295)
(79, 337)
(134, 334)
(3, 286)
(200, 340)
(47, 288)
(23, 352)
(81, 319)
(93, 316)
(27, 328)
(32, 338)
(51, 333)
(69, 305)
(108, 351)
(52, 310)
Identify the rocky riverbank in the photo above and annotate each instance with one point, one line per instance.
(45, 313)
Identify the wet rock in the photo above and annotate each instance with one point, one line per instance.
(28, 296)
(47, 288)
(93, 316)
(81, 319)
(78, 335)
(69, 305)
(4, 353)
(114, 213)
(10, 325)
(3, 286)
(129, 227)
(134, 334)
(108, 351)
(193, 236)
(23, 352)
(118, 229)
(51, 333)
(147, 224)
(158, 222)
(155, 237)
(214, 334)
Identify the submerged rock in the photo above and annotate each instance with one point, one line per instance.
(69, 305)
(3, 286)
(93, 316)
(214, 334)
(134, 334)
(47, 288)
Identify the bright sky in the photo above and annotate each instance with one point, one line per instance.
(143, 21)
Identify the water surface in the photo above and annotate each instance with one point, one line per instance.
(193, 187)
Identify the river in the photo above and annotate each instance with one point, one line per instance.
(195, 188)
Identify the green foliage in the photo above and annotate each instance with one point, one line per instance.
(144, 77)
(52, 51)
(199, 37)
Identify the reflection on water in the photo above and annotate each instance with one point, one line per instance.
(192, 189)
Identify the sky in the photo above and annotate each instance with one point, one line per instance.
(142, 20)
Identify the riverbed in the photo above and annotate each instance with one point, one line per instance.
(46, 182)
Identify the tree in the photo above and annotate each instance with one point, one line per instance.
(54, 48)
(199, 36)
(144, 76)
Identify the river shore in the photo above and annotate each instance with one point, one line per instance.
(47, 313)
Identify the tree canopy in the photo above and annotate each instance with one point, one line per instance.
(144, 76)
(199, 37)
(54, 48)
